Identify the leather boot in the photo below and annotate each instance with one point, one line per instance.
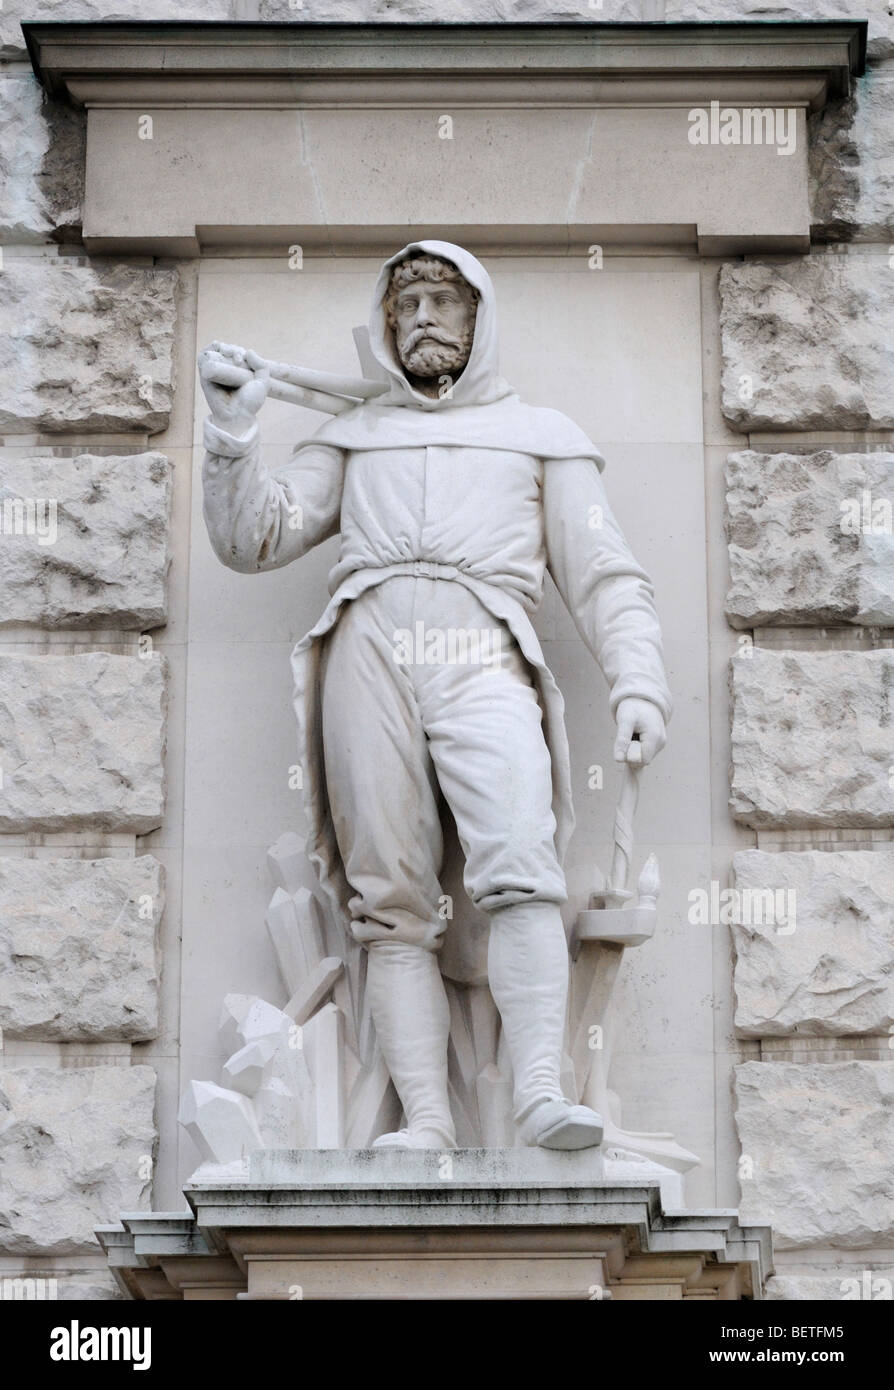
(412, 1017)
(528, 970)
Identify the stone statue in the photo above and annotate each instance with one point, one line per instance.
(423, 683)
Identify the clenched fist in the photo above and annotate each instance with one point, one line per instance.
(645, 719)
(233, 406)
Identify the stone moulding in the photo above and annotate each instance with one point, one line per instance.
(580, 133)
(380, 1225)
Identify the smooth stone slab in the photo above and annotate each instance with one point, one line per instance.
(819, 1138)
(833, 975)
(76, 1146)
(805, 343)
(807, 542)
(85, 348)
(812, 738)
(82, 742)
(102, 555)
(478, 1168)
(78, 948)
(409, 1167)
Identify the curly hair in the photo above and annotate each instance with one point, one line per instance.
(422, 268)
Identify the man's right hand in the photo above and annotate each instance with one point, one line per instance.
(233, 409)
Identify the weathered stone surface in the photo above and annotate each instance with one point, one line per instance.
(805, 343)
(827, 966)
(14, 12)
(461, 11)
(42, 148)
(88, 1287)
(85, 348)
(76, 1146)
(78, 948)
(102, 554)
(880, 14)
(848, 1284)
(812, 738)
(806, 544)
(852, 162)
(24, 140)
(82, 742)
(63, 170)
(819, 1140)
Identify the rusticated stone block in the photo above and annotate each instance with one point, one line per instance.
(85, 348)
(812, 738)
(87, 1286)
(816, 1152)
(847, 1284)
(84, 541)
(461, 11)
(805, 343)
(78, 948)
(82, 742)
(14, 12)
(810, 538)
(42, 150)
(824, 966)
(852, 162)
(76, 1146)
(878, 12)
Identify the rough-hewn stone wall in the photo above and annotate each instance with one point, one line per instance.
(807, 368)
(87, 357)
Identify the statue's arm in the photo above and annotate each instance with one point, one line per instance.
(259, 519)
(608, 594)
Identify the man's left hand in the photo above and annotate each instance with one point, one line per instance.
(643, 718)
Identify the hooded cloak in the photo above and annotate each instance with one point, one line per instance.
(482, 411)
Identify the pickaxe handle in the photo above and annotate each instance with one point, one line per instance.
(323, 391)
(623, 834)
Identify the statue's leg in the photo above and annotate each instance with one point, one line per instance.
(383, 798)
(412, 1017)
(485, 732)
(527, 966)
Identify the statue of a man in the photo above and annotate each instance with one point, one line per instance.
(451, 497)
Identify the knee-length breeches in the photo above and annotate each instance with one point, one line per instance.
(423, 689)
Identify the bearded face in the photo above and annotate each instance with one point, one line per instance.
(431, 309)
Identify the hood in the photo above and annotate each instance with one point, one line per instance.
(480, 382)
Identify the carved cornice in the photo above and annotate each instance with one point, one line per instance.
(568, 135)
(115, 64)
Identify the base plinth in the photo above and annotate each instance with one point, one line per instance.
(462, 1224)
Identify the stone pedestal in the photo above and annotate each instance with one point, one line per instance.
(467, 1224)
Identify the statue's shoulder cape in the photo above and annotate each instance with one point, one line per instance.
(502, 424)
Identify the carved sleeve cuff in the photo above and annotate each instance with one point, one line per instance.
(230, 446)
